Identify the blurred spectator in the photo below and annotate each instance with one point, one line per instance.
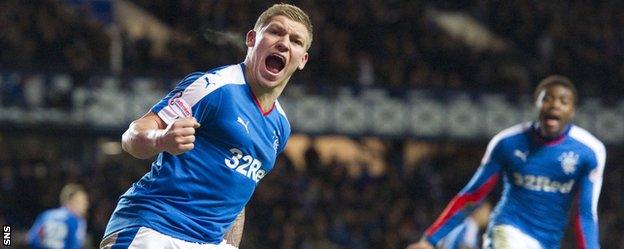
(65, 226)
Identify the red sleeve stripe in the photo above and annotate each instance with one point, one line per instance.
(460, 202)
(578, 229)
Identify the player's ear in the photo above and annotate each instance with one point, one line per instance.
(303, 61)
(250, 40)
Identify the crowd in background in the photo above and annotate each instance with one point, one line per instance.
(390, 44)
(317, 205)
(393, 44)
(47, 36)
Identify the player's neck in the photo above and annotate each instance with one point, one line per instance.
(265, 96)
(552, 139)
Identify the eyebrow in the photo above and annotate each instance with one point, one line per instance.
(296, 36)
(282, 28)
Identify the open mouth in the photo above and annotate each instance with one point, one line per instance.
(551, 120)
(275, 63)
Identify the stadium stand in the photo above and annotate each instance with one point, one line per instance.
(385, 193)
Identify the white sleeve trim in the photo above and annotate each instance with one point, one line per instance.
(511, 131)
(471, 234)
(595, 176)
(181, 105)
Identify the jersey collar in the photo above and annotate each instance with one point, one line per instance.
(253, 96)
(538, 138)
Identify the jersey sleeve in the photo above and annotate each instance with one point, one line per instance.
(192, 97)
(470, 196)
(33, 234)
(586, 219)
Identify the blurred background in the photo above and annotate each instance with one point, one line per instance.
(390, 117)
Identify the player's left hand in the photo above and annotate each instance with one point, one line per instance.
(179, 136)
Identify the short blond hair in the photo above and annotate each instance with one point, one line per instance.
(69, 191)
(291, 12)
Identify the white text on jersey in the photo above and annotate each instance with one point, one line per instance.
(542, 183)
(250, 167)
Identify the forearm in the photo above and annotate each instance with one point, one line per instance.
(141, 139)
(235, 234)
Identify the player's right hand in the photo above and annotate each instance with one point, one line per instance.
(422, 244)
(179, 136)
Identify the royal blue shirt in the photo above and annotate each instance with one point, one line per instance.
(195, 196)
(541, 181)
(57, 228)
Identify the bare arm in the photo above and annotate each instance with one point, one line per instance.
(141, 138)
(149, 135)
(235, 235)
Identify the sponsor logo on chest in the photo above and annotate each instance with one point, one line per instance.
(245, 165)
(535, 181)
(542, 183)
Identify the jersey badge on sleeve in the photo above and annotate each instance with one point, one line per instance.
(180, 106)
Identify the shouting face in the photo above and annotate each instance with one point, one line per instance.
(276, 51)
(556, 104)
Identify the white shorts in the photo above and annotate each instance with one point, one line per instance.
(508, 237)
(143, 237)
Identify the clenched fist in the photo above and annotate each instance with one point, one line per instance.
(179, 136)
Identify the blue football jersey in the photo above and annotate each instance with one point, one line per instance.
(57, 228)
(541, 181)
(195, 196)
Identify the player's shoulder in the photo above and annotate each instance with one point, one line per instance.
(225, 75)
(197, 85)
(215, 78)
(512, 132)
(584, 137)
(60, 213)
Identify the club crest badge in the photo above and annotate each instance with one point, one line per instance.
(568, 161)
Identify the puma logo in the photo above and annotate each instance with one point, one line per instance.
(243, 123)
(521, 155)
(208, 83)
